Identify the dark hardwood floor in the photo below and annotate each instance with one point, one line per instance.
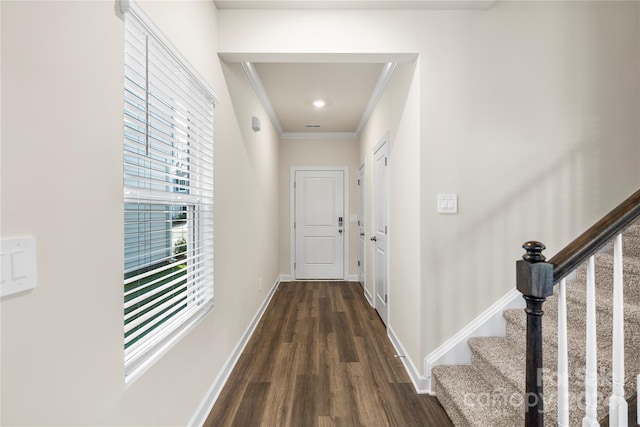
(320, 356)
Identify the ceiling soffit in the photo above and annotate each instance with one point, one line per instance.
(356, 4)
(288, 90)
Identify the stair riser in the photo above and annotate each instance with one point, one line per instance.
(576, 332)
(576, 309)
(449, 403)
(502, 377)
(472, 402)
(604, 280)
(498, 364)
(576, 340)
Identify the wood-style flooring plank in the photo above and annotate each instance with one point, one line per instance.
(320, 357)
(280, 399)
(252, 405)
(325, 318)
(324, 421)
(307, 337)
(346, 344)
(305, 408)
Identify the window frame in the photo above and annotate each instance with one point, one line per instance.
(193, 193)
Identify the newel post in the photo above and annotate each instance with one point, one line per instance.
(534, 279)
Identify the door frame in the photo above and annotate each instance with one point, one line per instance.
(385, 140)
(292, 215)
(362, 216)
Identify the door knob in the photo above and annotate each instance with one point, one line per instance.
(373, 239)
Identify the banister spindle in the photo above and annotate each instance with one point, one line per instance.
(563, 357)
(534, 279)
(591, 376)
(618, 407)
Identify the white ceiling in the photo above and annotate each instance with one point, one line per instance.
(351, 89)
(289, 89)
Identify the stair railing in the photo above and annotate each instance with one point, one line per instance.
(536, 278)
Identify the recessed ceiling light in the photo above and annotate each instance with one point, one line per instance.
(319, 103)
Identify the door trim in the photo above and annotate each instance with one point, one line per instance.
(292, 215)
(387, 306)
(362, 215)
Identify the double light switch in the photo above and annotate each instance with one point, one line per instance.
(447, 203)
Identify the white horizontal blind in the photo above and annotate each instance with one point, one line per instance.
(168, 192)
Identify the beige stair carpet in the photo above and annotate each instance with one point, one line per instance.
(490, 391)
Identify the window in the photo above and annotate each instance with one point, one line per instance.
(168, 195)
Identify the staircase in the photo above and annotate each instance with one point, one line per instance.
(491, 391)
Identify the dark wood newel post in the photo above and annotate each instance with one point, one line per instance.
(534, 279)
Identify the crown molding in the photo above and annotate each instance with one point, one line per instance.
(381, 85)
(251, 73)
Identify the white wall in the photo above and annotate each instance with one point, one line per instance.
(317, 152)
(398, 114)
(528, 111)
(61, 177)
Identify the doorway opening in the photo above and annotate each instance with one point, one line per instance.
(319, 223)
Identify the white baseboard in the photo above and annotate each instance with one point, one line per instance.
(349, 278)
(210, 398)
(368, 296)
(419, 382)
(455, 350)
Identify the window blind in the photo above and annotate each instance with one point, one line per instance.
(168, 195)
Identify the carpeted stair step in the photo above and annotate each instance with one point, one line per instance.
(604, 279)
(631, 242)
(500, 360)
(484, 393)
(576, 331)
(516, 321)
(550, 358)
(471, 401)
(576, 309)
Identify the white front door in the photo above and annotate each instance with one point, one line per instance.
(381, 227)
(319, 224)
(361, 225)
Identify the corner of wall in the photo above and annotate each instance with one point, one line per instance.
(455, 350)
(421, 384)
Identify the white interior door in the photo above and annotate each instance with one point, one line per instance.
(381, 228)
(361, 225)
(319, 224)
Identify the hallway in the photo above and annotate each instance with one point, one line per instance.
(320, 357)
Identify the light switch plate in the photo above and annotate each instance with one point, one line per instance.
(447, 203)
(18, 268)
